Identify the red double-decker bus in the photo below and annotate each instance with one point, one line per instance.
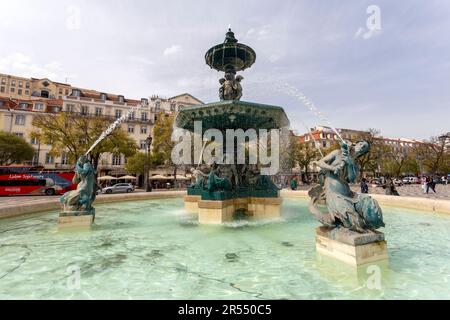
(32, 180)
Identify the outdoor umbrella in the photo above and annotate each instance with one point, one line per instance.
(127, 178)
(181, 178)
(159, 177)
(106, 178)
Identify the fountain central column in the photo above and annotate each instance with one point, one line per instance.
(223, 191)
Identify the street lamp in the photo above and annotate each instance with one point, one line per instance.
(148, 143)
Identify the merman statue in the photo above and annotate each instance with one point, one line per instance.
(79, 201)
(347, 209)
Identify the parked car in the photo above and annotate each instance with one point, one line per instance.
(411, 180)
(376, 182)
(398, 182)
(118, 188)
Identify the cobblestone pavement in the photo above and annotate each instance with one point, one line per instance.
(415, 190)
(11, 201)
(411, 190)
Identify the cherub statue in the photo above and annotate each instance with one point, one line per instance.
(357, 212)
(230, 87)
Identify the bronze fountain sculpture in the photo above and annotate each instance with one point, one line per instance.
(349, 219)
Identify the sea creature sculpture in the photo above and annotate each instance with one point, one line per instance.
(347, 209)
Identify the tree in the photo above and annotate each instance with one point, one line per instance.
(306, 154)
(371, 161)
(74, 134)
(396, 164)
(14, 149)
(162, 143)
(136, 163)
(434, 156)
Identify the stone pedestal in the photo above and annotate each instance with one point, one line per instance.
(351, 247)
(191, 203)
(264, 208)
(215, 211)
(82, 220)
(219, 211)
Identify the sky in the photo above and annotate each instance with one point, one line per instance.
(386, 67)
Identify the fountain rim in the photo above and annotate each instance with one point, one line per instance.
(237, 46)
(284, 120)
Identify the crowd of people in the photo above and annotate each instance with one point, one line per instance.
(428, 183)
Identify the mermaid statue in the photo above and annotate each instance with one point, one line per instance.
(79, 201)
(345, 208)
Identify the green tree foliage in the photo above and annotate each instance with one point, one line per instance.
(162, 143)
(14, 149)
(136, 163)
(305, 155)
(398, 164)
(74, 134)
(371, 162)
(433, 157)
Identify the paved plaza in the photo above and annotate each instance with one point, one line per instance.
(442, 192)
(412, 190)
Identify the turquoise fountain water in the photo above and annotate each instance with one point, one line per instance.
(154, 250)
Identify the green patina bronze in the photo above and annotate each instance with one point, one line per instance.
(79, 202)
(232, 114)
(345, 208)
(229, 181)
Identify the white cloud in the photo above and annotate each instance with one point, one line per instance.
(172, 50)
(21, 64)
(371, 33)
(366, 34)
(275, 57)
(358, 33)
(141, 60)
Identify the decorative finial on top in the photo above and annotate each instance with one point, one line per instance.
(229, 37)
(230, 57)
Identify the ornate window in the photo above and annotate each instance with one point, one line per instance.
(116, 159)
(49, 159)
(20, 119)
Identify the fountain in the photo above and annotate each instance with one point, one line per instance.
(233, 186)
(77, 209)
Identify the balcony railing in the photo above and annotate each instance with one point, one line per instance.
(109, 117)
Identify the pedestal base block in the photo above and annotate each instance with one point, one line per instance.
(75, 221)
(191, 203)
(219, 211)
(351, 247)
(215, 211)
(265, 208)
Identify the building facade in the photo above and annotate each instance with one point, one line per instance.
(323, 137)
(37, 96)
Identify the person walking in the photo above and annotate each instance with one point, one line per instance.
(364, 186)
(389, 188)
(424, 184)
(293, 184)
(430, 185)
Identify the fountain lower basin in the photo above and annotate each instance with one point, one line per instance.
(152, 249)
